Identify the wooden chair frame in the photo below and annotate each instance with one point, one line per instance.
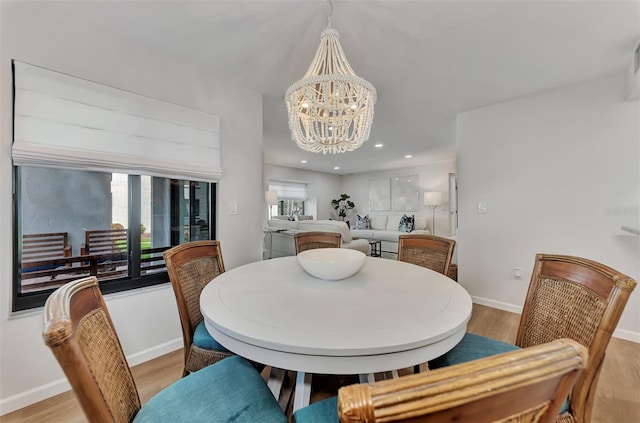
(81, 334)
(557, 280)
(418, 249)
(316, 239)
(527, 385)
(190, 316)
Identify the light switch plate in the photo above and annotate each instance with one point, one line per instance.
(233, 207)
(482, 207)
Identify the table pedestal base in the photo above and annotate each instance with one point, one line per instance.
(302, 395)
(276, 377)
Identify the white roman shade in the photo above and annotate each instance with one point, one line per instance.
(71, 123)
(289, 190)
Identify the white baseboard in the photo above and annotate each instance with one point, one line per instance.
(153, 352)
(31, 396)
(627, 335)
(39, 393)
(618, 333)
(497, 304)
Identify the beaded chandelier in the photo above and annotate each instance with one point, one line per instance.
(330, 108)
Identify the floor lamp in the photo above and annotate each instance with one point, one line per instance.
(433, 199)
(271, 197)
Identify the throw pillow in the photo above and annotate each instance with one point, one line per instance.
(420, 223)
(406, 223)
(363, 222)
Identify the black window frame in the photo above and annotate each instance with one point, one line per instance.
(26, 301)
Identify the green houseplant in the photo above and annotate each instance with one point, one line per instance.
(343, 205)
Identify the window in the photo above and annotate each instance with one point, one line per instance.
(290, 207)
(291, 198)
(105, 181)
(114, 226)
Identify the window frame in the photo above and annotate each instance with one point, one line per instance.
(282, 207)
(31, 300)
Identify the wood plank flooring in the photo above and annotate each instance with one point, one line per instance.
(617, 400)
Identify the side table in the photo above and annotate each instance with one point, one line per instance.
(270, 232)
(376, 247)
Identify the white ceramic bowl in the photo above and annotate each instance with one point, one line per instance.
(331, 264)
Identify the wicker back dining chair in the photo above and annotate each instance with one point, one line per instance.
(79, 330)
(432, 252)
(316, 239)
(191, 267)
(568, 297)
(527, 385)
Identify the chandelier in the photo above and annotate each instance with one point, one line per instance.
(330, 108)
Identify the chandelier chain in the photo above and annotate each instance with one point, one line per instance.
(330, 16)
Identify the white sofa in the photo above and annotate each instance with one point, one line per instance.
(385, 229)
(281, 243)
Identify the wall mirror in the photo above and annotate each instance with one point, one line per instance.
(406, 193)
(380, 195)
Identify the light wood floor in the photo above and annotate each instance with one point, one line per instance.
(617, 401)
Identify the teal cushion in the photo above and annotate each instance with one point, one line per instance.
(473, 347)
(325, 411)
(203, 339)
(230, 390)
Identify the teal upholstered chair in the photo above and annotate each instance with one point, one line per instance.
(526, 385)
(191, 266)
(79, 331)
(568, 297)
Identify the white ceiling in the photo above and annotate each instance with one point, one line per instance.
(428, 60)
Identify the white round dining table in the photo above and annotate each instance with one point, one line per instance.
(389, 315)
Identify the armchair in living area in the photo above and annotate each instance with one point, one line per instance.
(280, 235)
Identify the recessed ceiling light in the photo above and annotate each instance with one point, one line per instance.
(408, 156)
(336, 168)
(303, 161)
(378, 145)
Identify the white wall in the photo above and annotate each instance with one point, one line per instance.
(560, 173)
(434, 177)
(146, 320)
(321, 188)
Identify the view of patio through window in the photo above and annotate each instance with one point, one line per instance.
(115, 226)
